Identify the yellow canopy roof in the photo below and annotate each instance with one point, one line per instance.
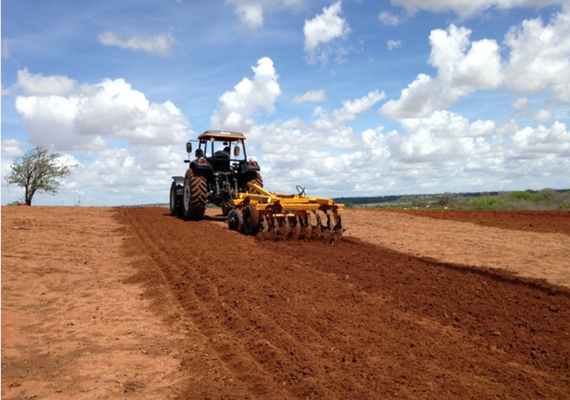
(221, 135)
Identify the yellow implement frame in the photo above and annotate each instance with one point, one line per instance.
(286, 215)
(265, 200)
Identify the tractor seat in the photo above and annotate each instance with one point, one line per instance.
(220, 161)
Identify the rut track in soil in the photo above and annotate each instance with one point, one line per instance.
(352, 320)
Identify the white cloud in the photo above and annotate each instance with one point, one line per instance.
(12, 148)
(85, 118)
(352, 108)
(322, 30)
(446, 124)
(250, 12)
(393, 44)
(419, 98)
(37, 84)
(522, 105)
(529, 143)
(441, 151)
(388, 18)
(543, 116)
(508, 127)
(310, 96)
(540, 56)
(463, 68)
(160, 44)
(124, 176)
(467, 8)
(561, 94)
(238, 106)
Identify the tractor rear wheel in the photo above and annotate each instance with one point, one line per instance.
(254, 177)
(250, 220)
(175, 201)
(195, 196)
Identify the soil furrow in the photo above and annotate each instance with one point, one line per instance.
(356, 321)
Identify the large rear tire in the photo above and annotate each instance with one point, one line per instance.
(175, 201)
(254, 177)
(195, 196)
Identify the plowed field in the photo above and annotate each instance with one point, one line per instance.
(377, 315)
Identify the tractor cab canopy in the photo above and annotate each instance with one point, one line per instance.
(220, 148)
(221, 136)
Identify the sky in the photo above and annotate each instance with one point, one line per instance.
(346, 98)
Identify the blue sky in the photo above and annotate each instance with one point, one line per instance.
(346, 98)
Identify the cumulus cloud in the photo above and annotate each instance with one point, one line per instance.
(388, 18)
(560, 94)
(446, 124)
(442, 150)
(463, 68)
(535, 143)
(540, 56)
(543, 116)
(250, 12)
(37, 84)
(508, 127)
(468, 8)
(160, 44)
(522, 105)
(310, 96)
(350, 109)
(85, 118)
(11, 150)
(321, 32)
(238, 106)
(393, 44)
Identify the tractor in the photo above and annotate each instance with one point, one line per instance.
(219, 171)
(221, 174)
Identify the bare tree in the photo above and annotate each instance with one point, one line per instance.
(37, 171)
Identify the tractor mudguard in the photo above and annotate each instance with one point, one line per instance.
(202, 166)
(179, 181)
(249, 166)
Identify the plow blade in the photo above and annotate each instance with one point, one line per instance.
(277, 216)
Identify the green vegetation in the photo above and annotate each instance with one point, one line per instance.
(38, 171)
(545, 199)
(486, 203)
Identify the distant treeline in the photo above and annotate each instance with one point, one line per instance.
(406, 197)
(544, 199)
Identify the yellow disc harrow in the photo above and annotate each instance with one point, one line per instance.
(287, 216)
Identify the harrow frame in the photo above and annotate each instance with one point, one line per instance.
(286, 215)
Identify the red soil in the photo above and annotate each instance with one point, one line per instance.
(530, 221)
(274, 320)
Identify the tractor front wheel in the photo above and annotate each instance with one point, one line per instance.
(175, 201)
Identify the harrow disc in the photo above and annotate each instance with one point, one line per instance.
(298, 227)
(265, 224)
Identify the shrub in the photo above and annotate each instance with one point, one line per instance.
(527, 196)
(486, 203)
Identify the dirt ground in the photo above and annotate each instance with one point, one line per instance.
(504, 240)
(133, 303)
